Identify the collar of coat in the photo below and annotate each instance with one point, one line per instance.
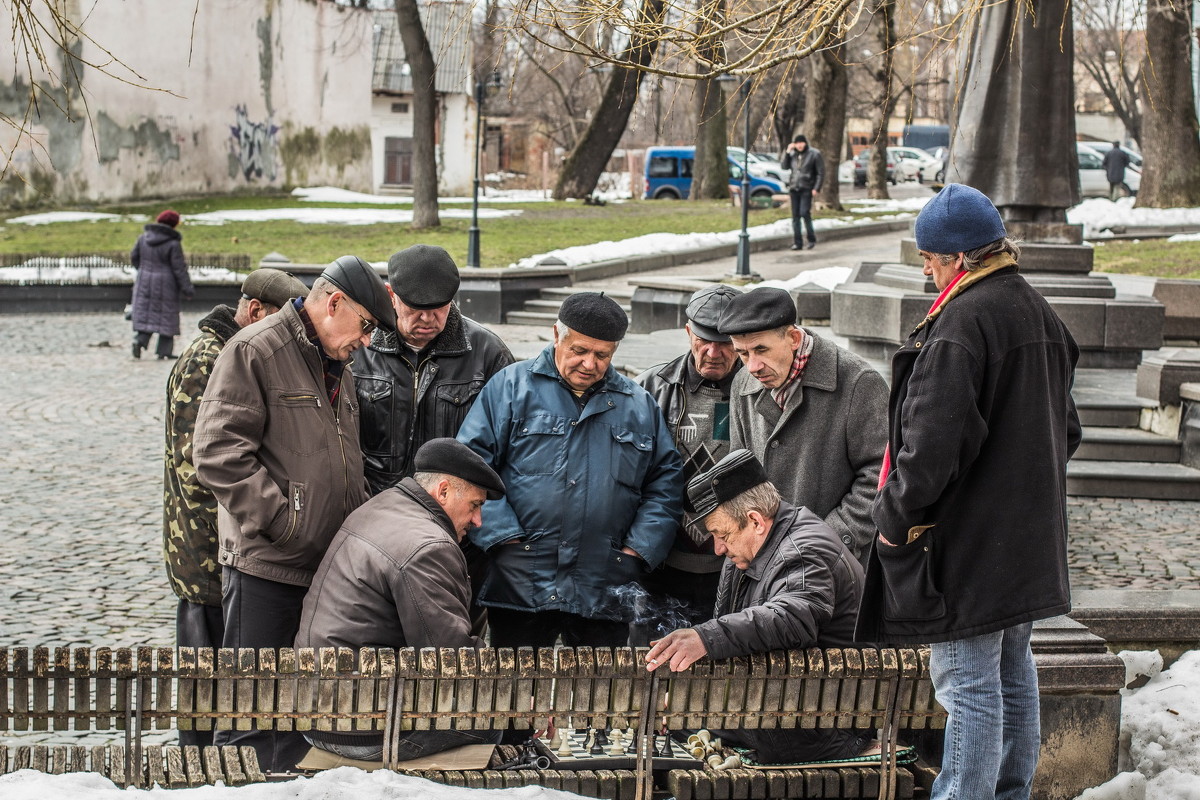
(544, 365)
(819, 373)
(417, 492)
(991, 265)
(451, 341)
(780, 525)
(221, 322)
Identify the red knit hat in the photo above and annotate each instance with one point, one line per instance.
(168, 217)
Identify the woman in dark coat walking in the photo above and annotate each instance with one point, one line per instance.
(162, 276)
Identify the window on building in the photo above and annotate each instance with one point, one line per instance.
(397, 160)
(399, 108)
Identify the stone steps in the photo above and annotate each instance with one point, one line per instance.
(543, 310)
(1140, 479)
(1126, 444)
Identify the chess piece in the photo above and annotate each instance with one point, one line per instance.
(556, 739)
(666, 751)
(564, 746)
(633, 743)
(616, 749)
(597, 747)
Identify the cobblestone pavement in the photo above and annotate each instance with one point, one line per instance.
(81, 483)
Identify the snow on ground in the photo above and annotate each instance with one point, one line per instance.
(826, 278)
(72, 216)
(1160, 759)
(1098, 216)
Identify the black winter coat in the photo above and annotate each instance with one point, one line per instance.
(161, 278)
(408, 399)
(981, 426)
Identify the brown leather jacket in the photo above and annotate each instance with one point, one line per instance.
(394, 576)
(284, 464)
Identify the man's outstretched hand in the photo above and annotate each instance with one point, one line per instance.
(680, 649)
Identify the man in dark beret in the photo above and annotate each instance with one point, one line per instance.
(189, 508)
(594, 485)
(394, 576)
(277, 443)
(693, 393)
(418, 382)
(788, 583)
(814, 413)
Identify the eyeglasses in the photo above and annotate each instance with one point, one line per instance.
(368, 327)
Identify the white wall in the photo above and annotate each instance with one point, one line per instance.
(251, 93)
(454, 154)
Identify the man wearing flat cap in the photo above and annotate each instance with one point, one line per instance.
(813, 413)
(417, 383)
(189, 508)
(788, 582)
(277, 443)
(971, 511)
(394, 576)
(594, 485)
(693, 393)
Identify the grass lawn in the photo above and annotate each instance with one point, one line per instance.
(1156, 257)
(539, 228)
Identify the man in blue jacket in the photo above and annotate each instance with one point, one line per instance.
(595, 485)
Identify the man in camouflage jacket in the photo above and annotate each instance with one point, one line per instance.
(189, 508)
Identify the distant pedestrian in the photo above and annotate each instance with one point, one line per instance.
(1114, 163)
(807, 167)
(162, 276)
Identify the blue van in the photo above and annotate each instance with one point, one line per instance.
(669, 175)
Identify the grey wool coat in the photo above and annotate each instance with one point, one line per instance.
(162, 276)
(823, 450)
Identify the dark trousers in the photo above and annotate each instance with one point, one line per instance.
(198, 625)
(675, 599)
(410, 744)
(511, 628)
(795, 746)
(802, 212)
(262, 613)
(165, 343)
(1118, 189)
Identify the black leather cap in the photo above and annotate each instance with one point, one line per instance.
(452, 457)
(594, 314)
(423, 276)
(362, 284)
(725, 480)
(704, 310)
(273, 286)
(761, 309)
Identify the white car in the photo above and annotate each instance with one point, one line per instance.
(1093, 179)
(760, 167)
(914, 164)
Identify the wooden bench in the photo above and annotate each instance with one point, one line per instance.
(135, 690)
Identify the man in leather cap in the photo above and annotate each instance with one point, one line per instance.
(277, 443)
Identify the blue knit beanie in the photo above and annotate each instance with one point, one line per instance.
(956, 220)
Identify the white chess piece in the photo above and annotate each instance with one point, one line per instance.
(616, 749)
(564, 747)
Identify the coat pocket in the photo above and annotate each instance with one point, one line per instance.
(909, 585)
(631, 454)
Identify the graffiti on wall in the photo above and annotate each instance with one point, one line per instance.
(254, 146)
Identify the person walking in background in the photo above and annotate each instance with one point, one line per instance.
(162, 276)
(1115, 161)
(807, 167)
(189, 508)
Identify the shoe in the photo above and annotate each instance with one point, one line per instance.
(172, 357)
(796, 247)
(137, 350)
(811, 245)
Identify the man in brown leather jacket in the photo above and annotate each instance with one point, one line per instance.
(394, 576)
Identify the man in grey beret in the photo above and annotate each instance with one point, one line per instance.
(594, 485)
(189, 508)
(693, 393)
(394, 576)
(277, 443)
(788, 583)
(814, 413)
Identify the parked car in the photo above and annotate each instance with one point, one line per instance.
(914, 164)
(1135, 158)
(1093, 179)
(764, 168)
(668, 175)
(860, 167)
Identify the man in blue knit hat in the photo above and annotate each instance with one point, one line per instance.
(971, 509)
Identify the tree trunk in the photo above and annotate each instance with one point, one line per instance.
(885, 32)
(788, 110)
(1170, 146)
(710, 172)
(425, 109)
(582, 168)
(826, 125)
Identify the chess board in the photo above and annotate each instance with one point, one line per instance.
(581, 758)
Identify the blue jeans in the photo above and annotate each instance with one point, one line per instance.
(988, 684)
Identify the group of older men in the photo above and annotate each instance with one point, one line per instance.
(728, 497)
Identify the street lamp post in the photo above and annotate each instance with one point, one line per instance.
(483, 88)
(743, 248)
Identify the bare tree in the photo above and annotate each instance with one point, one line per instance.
(1109, 47)
(1169, 137)
(423, 71)
(885, 98)
(826, 124)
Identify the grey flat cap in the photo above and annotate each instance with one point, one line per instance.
(273, 286)
(423, 276)
(704, 310)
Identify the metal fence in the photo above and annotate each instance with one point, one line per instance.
(94, 268)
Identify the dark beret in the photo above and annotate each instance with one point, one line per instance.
(705, 307)
(596, 315)
(423, 276)
(273, 286)
(362, 284)
(452, 457)
(761, 309)
(725, 480)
